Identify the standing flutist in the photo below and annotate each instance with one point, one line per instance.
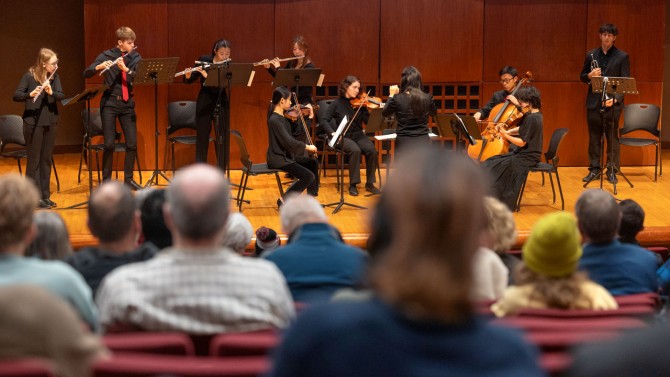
(40, 89)
(118, 66)
(606, 60)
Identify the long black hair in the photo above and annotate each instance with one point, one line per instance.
(411, 82)
(220, 44)
(279, 93)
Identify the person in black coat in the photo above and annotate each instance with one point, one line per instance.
(287, 153)
(208, 97)
(40, 89)
(606, 60)
(355, 141)
(119, 65)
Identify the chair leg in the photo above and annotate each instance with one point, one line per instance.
(18, 162)
(560, 191)
(280, 185)
(242, 190)
(518, 201)
(81, 160)
(53, 164)
(656, 163)
(173, 165)
(660, 160)
(543, 177)
(553, 191)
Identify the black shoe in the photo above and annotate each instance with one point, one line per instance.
(279, 203)
(51, 203)
(43, 204)
(369, 187)
(353, 191)
(611, 178)
(133, 185)
(591, 176)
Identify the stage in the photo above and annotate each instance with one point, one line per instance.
(353, 223)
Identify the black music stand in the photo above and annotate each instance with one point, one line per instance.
(86, 96)
(378, 123)
(223, 76)
(610, 85)
(156, 71)
(297, 77)
(452, 125)
(341, 131)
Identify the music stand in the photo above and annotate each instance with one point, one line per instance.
(610, 85)
(224, 76)
(156, 71)
(378, 123)
(297, 77)
(86, 96)
(452, 125)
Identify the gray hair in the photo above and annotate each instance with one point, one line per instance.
(300, 209)
(52, 241)
(238, 232)
(500, 224)
(598, 215)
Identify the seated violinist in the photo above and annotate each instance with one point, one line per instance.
(508, 171)
(355, 140)
(508, 79)
(287, 153)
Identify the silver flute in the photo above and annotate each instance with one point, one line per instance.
(41, 87)
(116, 61)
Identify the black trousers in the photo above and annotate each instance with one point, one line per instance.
(306, 172)
(598, 122)
(204, 114)
(112, 108)
(354, 145)
(40, 143)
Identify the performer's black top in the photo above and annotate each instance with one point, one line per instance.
(44, 111)
(337, 110)
(530, 131)
(211, 91)
(498, 97)
(408, 124)
(615, 63)
(282, 147)
(113, 75)
(305, 92)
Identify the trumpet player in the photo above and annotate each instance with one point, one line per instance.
(605, 60)
(40, 89)
(118, 65)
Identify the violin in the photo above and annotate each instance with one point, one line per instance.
(293, 115)
(368, 101)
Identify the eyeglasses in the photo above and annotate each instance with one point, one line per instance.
(506, 81)
(54, 64)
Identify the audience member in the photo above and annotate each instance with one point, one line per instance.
(238, 233)
(18, 199)
(422, 320)
(196, 286)
(490, 273)
(501, 225)
(114, 219)
(548, 277)
(632, 221)
(154, 229)
(621, 268)
(52, 241)
(315, 261)
(35, 323)
(266, 240)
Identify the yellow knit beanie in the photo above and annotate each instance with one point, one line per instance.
(553, 247)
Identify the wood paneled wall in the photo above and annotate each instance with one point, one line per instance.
(458, 41)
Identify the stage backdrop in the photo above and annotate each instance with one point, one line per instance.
(458, 45)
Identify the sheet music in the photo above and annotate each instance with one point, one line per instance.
(393, 136)
(251, 78)
(340, 128)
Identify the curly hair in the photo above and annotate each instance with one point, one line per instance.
(557, 292)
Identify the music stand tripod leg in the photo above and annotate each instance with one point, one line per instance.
(341, 203)
(157, 173)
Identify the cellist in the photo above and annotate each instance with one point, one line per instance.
(508, 79)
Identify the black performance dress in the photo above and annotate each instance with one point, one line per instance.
(508, 171)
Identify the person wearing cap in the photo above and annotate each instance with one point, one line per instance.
(548, 276)
(266, 240)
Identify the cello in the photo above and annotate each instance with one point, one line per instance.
(508, 116)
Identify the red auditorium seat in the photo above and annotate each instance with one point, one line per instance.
(637, 311)
(25, 368)
(660, 250)
(256, 343)
(534, 323)
(150, 342)
(652, 300)
(144, 365)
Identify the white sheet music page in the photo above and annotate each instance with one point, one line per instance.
(340, 128)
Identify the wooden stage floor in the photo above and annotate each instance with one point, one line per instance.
(353, 223)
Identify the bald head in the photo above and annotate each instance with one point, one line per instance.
(198, 202)
(111, 211)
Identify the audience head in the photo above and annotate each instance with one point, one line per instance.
(500, 230)
(380, 229)
(198, 205)
(52, 241)
(598, 216)
(153, 222)
(18, 200)
(266, 240)
(553, 247)
(632, 220)
(298, 210)
(238, 232)
(436, 210)
(112, 213)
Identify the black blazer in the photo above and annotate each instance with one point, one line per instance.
(112, 76)
(618, 66)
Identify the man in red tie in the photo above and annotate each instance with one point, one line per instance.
(118, 65)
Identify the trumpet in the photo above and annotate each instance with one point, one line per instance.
(116, 61)
(267, 61)
(41, 88)
(594, 63)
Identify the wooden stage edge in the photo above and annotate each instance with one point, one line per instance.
(353, 223)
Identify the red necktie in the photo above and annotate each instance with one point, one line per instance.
(124, 85)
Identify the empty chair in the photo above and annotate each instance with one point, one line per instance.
(168, 343)
(550, 167)
(249, 168)
(643, 117)
(181, 116)
(11, 133)
(96, 130)
(258, 343)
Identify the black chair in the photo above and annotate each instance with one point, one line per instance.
(249, 168)
(549, 167)
(11, 133)
(323, 137)
(96, 130)
(181, 115)
(643, 117)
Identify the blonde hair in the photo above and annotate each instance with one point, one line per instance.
(18, 199)
(556, 292)
(500, 224)
(38, 70)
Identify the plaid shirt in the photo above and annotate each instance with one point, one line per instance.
(198, 292)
